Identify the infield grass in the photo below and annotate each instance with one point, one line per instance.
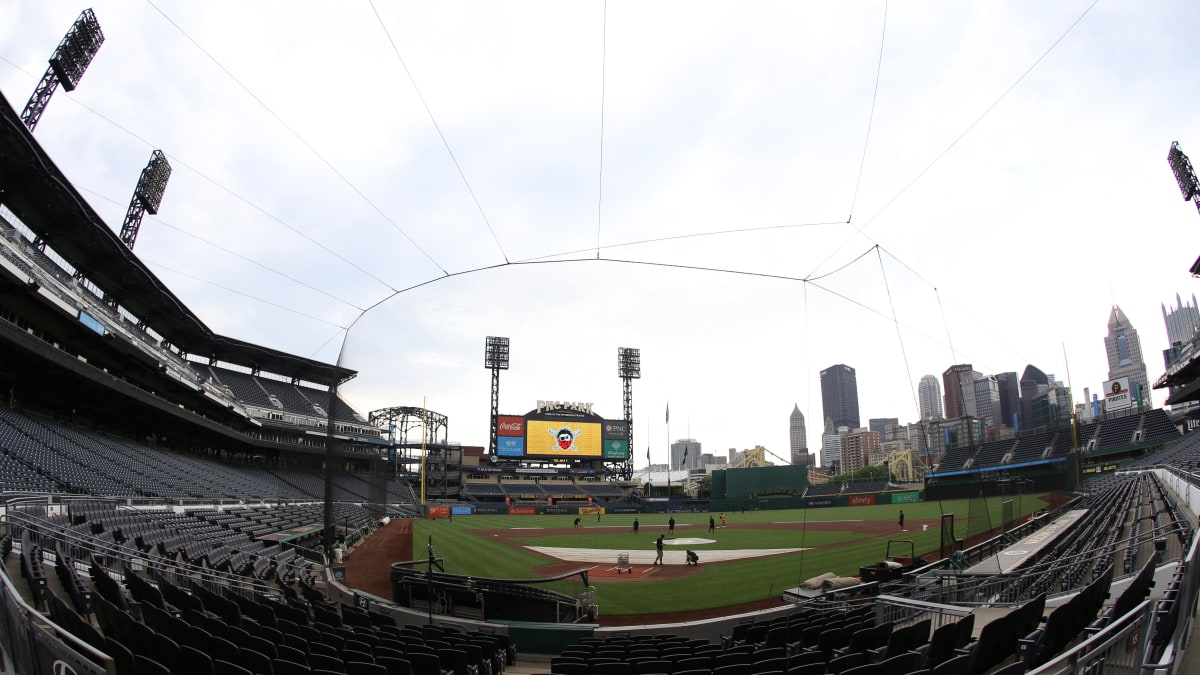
(851, 539)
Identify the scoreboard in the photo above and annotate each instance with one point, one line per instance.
(562, 433)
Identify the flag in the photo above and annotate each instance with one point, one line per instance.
(668, 413)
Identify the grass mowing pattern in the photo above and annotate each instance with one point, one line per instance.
(469, 548)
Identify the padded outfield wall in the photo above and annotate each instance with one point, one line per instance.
(761, 487)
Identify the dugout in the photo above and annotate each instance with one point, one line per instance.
(760, 487)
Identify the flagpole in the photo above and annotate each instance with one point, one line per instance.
(670, 463)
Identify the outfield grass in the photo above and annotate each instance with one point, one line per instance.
(468, 548)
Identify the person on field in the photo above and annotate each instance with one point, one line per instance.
(712, 524)
(577, 525)
(671, 526)
(722, 520)
(692, 558)
(901, 519)
(658, 544)
(636, 525)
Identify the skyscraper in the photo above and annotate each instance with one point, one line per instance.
(958, 382)
(987, 400)
(1034, 384)
(798, 436)
(929, 391)
(1125, 354)
(1182, 321)
(839, 396)
(1010, 399)
(685, 454)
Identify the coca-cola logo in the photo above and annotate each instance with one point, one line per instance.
(510, 425)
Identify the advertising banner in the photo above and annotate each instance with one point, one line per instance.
(817, 503)
(490, 508)
(616, 429)
(510, 446)
(1117, 395)
(616, 449)
(522, 511)
(461, 510)
(905, 497)
(862, 500)
(510, 425)
(562, 438)
(436, 511)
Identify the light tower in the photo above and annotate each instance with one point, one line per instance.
(629, 368)
(67, 64)
(1181, 166)
(495, 358)
(1184, 175)
(147, 196)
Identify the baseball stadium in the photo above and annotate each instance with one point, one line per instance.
(180, 501)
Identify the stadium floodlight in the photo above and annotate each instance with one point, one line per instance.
(629, 363)
(1181, 166)
(147, 196)
(495, 356)
(73, 55)
(495, 359)
(76, 51)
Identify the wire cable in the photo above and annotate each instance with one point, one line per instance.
(178, 161)
(948, 148)
(242, 293)
(899, 335)
(871, 117)
(438, 128)
(213, 244)
(297, 135)
(677, 237)
(600, 173)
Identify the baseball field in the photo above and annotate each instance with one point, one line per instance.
(744, 564)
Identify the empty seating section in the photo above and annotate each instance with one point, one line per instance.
(993, 452)
(40, 455)
(1152, 427)
(1117, 432)
(268, 392)
(165, 620)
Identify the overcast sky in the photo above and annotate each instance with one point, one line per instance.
(676, 170)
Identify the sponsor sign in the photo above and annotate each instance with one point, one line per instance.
(522, 511)
(562, 438)
(339, 573)
(818, 502)
(510, 446)
(510, 425)
(435, 511)
(460, 510)
(490, 509)
(905, 497)
(862, 500)
(1117, 395)
(1107, 468)
(622, 509)
(556, 510)
(616, 430)
(616, 449)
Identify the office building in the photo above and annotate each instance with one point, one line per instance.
(797, 436)
(839, 395)
(929, 394)
(1124, 351)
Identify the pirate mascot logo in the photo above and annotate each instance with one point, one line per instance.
(565, 438)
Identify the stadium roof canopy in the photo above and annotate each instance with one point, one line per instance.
(34, 189)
